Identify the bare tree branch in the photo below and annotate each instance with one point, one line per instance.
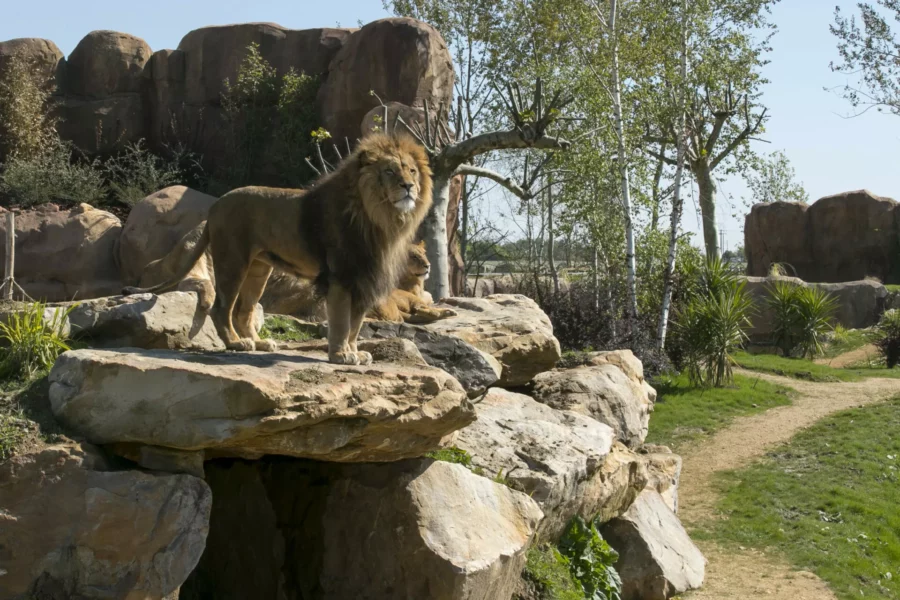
(503, 180)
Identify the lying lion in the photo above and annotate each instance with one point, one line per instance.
(350, 234)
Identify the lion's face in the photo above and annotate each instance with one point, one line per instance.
(418, 264)
(395, 174)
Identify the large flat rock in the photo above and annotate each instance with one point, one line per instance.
(252, 404)
(71, 527)
(510, 327)
(565, 461)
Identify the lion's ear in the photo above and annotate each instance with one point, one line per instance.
(367, 157)
(421, 244)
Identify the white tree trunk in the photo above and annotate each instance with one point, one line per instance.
(677, 202)
(436, 239)
(551, 255)
(624, 176)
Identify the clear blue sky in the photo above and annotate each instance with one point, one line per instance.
(831, 154)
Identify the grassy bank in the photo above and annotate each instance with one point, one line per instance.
(684, 413)
(828, 501)
(806, 369)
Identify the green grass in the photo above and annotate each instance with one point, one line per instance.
(828, 501)
(683, 413)
(847, 341)
(286, 329)
(800, 368)
(892, 287)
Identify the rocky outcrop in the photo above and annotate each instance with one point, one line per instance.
(611, 389)
(400, 59)
(114, 85)
(413, 529)
(664, 470)
(845, 237)
(511, 328)
(561, 459)
(66, 254)
(860, 304)
(657, 559)
(75, 528)
(251, 404)
(45, 57)
(168, 321)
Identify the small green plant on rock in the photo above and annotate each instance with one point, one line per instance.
(30, 342)
(590, 560)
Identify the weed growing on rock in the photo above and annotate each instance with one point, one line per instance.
(590, 560)
(32, 341)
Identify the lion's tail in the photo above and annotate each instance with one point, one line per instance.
(189, 262)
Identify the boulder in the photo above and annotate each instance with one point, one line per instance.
(474, 369)
(156, 224)
(657, 559)
(66, 254)
(400, 59)
(854, 236)
(374, 119)
(611, 389)
(777, 232)
(44, 55)
(170, 320)
(664, 471)
(412, 529)
(860, 304)
(561, 459)
(252, 404)
(74, 528)
(511, 328)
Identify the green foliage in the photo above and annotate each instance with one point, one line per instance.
(285, 329)
(136, 173)
(684, 412)
(56, 175)
(452, 455)
(31, 343)
(27, 130)
(887, 337)
(271, 121)
(773, 180)
(711, 326)
(827, 500)
(801, 318)
(590, 560)
(548, 571)
(13, 431)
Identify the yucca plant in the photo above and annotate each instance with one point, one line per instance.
(814, 312)
(887, 337)
(31, 343)
(783, 303)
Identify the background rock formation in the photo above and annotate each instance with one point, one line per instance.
(845, 237)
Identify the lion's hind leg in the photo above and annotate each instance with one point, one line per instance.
(251, 291)
(228, 288)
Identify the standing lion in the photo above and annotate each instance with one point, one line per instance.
(350, 234)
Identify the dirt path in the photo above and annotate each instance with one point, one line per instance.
(742, 574)
(854, 357)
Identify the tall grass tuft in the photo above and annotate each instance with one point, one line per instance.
(30, 342)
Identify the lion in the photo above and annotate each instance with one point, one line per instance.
(410, 302)
(349, 233)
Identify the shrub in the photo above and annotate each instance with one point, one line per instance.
(590, 560)
(802, 318)
(57, 175)
(711, 326)
(815, 309)
(887, 337)
(31, 342)
(26, 128)
(136, 173)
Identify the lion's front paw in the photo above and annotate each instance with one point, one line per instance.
(364, 357)
(242, 345)
(446, 313)
(266, 345)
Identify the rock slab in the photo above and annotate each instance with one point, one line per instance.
(510, 327)
(611, 389)
(657, 559)
(565, 461)
(70, 527)
(252, 404)
(414, 529)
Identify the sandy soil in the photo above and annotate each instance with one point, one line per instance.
(745, 573)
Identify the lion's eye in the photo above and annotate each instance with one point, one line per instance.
(413, 171)
(389, 172)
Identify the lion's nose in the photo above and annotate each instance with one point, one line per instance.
(406, 186)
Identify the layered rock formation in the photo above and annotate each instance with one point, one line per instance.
(845, 237)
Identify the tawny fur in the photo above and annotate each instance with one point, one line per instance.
(408, 303)
(350, 233)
